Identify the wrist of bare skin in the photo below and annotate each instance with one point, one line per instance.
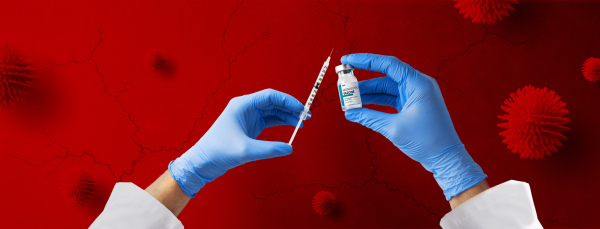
(468, 194)
(167, 191)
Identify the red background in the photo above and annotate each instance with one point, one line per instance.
(97, 108)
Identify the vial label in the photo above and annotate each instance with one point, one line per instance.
(349, 95)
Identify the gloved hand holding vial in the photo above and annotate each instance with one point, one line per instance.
(422, 128)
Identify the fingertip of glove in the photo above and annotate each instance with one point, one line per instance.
(284, 149)
(297, 106)
(287, 151)
(351, 114)
(353, 111)
(344, 59)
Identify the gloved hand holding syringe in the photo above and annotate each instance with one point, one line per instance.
(305, 114)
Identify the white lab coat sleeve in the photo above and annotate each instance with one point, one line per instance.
(131, 207)
(508, 205)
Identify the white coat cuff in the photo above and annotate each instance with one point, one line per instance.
(508, 205)
(131, 207)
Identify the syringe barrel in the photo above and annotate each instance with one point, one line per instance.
(313, 92)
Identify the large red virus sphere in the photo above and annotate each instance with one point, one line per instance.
(324, 202)
(81, 188)
(591, 69)
(485, 11)
(15, 74)
(534, 121)
(158, 62)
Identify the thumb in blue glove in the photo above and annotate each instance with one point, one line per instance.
(231, 140)
(422, 128)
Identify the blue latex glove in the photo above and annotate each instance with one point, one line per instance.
(422, 128)
(231, 140)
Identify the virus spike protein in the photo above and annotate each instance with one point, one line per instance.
(534, 122)
(15, 73)
(591, 69)
(324, 202)
(81, 188)
(485, 11)
(158, 62)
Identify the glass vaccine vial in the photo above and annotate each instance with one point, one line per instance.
(348, 87)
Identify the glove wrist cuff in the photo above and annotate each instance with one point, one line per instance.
(456, 171)
(192, 171)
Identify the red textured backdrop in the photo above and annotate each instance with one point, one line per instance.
(97, 107)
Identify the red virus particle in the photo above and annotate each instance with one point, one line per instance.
(323, 202)
(534, 121)
(158, 62)
(15, 73)
(81, 188)
(485, 11)
(591, 69)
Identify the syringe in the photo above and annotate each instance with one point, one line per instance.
(313, 93)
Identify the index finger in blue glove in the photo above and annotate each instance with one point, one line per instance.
(267, 149)
(285, 109)
(381, 99)
(375, 120)
(265, 98)
(389, 65)
(381, 85)
(277, 118)
(281, 108)
(380, 91)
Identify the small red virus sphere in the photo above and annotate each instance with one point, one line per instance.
(158, 62)
(485, 11)
(81, 188)
(534, 122)
(15, 73)
(323, 202)
(591, 69)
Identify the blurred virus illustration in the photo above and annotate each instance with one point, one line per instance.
(15, 74)
(485, 11)
(81, 188)
(158, 62)
(591, 69)
(534, 120)
(323, 202)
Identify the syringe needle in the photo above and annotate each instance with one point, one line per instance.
(331, 51)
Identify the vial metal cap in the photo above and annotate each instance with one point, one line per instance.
(343, 67)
